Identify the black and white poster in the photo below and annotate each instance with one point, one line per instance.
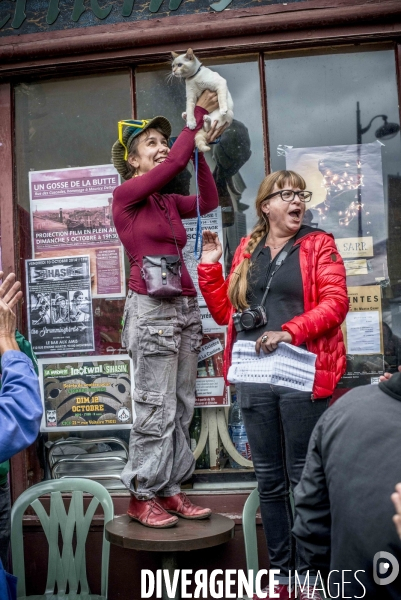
(60, 304)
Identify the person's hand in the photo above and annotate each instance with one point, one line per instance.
(7, 328)
(269, 341)
(208, 100)
(396, 498)
(10, 289)
(211, 248)
(387, 376)
(215, 132)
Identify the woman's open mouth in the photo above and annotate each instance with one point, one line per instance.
(296, 213)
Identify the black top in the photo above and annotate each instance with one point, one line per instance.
(285, 299)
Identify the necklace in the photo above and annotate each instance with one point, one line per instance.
(275, 247)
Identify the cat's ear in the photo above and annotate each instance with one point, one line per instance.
(190, 54)
(174, 55)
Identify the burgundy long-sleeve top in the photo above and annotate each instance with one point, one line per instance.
(139, 211)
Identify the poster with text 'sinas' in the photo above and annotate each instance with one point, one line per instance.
(60, 315)
(71, 215)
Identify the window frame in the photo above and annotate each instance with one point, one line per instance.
(270, 28)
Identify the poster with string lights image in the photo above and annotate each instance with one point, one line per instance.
(59, 304)
(347, 201)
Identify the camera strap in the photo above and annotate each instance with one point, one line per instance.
(279, 261)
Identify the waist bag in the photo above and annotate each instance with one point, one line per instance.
(162, 275)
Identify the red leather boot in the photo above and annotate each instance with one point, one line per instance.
(150, 513)
(181, 505)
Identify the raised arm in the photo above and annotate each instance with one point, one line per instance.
(138, 188)
(211, 280)
(20, 404)
(333, 301)
(208, 196)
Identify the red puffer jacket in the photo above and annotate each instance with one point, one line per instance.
(325, 301)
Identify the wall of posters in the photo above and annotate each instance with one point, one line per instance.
(211, 389)
(95, 394)
(60, 305)
(348, 201)
(210, 221)
(71, 215)
(363, 336)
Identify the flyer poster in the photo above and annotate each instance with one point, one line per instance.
(71, 215)
(210, 221)
(211, 389)
(347, 201)
(60, 305)
(95, 394)
(363, 336)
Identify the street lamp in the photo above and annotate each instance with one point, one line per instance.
(385, 132)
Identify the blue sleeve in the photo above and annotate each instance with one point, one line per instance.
(20, 404)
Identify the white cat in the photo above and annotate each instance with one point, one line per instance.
(198, 79)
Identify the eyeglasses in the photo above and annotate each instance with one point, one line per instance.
(289, 195)
(135, 124)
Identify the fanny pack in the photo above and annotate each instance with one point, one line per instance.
(162, 275)
(162, 272)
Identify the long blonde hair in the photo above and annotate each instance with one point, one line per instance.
(237, 287)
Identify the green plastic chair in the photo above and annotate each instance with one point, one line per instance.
(249, 529)
(66, 569)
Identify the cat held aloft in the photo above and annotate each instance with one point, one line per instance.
(198, 79)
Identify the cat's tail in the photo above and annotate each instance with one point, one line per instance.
(200, 141)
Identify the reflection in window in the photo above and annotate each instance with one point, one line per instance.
(338, 100)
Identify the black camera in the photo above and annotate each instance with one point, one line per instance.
(250, 318)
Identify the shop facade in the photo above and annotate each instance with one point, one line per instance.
(316, 88)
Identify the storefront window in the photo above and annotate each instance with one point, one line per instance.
(334, 118)
(64, 129)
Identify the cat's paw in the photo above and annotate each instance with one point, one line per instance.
(184, 116)
(207, 119)
(223, 112)
(191, 123)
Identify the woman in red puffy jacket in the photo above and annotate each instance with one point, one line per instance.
(305, 306)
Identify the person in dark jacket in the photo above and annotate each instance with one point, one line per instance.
(343, 501)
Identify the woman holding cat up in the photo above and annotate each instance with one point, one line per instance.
(163, 335)
(305, 306)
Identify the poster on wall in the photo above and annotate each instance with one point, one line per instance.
(59, 304)
(211, 389)
(363, 336)
(347, 201)
(71, 215)
(210, 221)
(95, 394)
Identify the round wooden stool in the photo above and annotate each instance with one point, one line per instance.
(185, 536)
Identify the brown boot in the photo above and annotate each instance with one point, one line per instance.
(150, 513)
(181, 505)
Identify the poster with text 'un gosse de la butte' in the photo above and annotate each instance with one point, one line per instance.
(71, 215)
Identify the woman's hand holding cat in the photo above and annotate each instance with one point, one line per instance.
(215, 132)
(211, 249)
(208, 100)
